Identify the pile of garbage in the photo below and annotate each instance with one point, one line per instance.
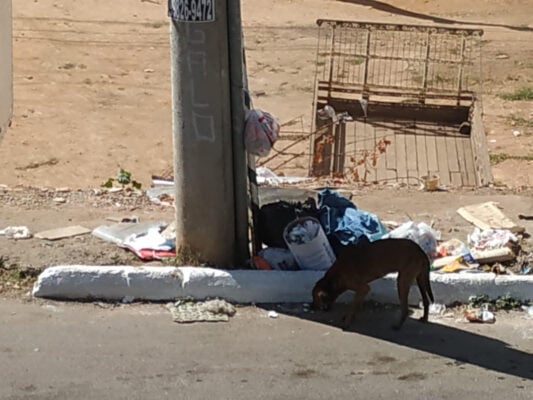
(481, 309)
(492, 246)
(309, 236)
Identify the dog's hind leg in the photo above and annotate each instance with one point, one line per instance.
(422, 286)
(360, 294)
(404, 284)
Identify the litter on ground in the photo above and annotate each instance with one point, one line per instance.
(62, 233)
(147, 240)
(480, 316)
(488, 216)
(188, 311)
(16, 232)
(118, 233)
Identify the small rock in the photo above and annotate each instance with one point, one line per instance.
(273, 314)
(63, 190)
(516, 133)
(149, 70)
(502, 56)
(59, 200)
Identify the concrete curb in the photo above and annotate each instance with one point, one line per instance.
(124, 283)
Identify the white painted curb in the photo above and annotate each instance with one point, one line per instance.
(79, 282)
(250, 286)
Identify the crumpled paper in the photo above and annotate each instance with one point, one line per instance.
(489, 239)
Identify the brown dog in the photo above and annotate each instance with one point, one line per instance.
(358, 265)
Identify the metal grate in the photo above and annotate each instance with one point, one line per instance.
(408, 92)
(397, 60)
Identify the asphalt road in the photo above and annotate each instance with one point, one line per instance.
(57, 351)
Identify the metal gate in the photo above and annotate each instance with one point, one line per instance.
(404, 103)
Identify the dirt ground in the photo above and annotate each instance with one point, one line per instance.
(92, 80)
(92, 95)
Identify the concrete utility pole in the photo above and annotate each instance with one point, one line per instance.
(207, 120)
(6, 66)
(239, 105)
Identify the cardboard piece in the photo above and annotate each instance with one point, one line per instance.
(488, 216)
(62, 233)
(502, 254)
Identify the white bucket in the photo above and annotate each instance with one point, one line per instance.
(315, 253)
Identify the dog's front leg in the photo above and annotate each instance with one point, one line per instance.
(360, 293)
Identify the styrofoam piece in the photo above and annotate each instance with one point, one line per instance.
(118, 233)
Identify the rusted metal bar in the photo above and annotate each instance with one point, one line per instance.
(332, 57)
(279, 152)
(460, 77)
(426, 67)
(367, 60)
(407, 58)
(399, 27)
(339, 150)
(396, 91)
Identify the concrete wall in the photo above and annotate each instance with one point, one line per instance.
(6, 70)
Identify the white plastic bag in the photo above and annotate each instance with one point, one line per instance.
(261, 132)
(421, 233)
(280, 259)
(16, 232)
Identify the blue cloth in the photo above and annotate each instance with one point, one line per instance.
(341, 219)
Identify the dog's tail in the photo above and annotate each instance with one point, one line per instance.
(424, 283)
(430, 294)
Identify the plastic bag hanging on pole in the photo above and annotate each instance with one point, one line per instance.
(261, 132)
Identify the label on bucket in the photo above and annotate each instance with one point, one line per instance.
(308, 244)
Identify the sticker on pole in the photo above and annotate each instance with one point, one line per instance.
(192, 10)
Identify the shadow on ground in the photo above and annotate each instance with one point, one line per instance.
(460, 346)
(385, 7)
